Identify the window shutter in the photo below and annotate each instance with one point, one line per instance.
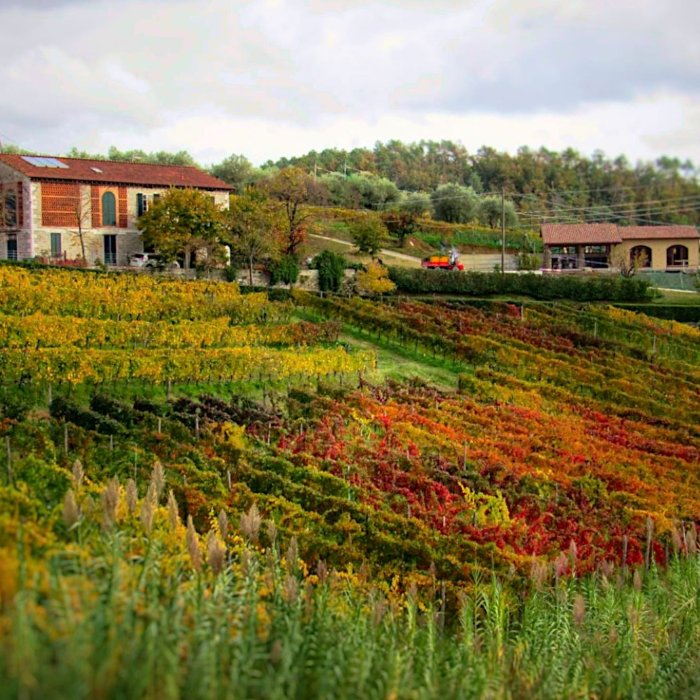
(139, 204)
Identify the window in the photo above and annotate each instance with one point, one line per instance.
(56, 251)
(640, 256)
(677, 256)
(141, 204)
(10, 209)
(109, 209)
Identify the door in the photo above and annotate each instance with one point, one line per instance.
(56, 249)
(110, 245)
(11, 247)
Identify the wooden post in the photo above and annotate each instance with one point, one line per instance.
(10, 477)
(65, 438)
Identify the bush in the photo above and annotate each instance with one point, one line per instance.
(285, 271)
(331, 270)
(85, 418)
(546, 287)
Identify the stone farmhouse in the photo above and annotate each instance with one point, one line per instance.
(45, 203)
(601, 246)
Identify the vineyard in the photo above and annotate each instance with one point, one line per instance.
(210, 494)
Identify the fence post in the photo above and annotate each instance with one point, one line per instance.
(10, 476)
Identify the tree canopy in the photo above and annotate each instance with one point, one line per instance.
(181, 222)
(251, 227)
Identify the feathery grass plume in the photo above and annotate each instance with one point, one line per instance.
(222, 519)
(152, 493)
(292, 555)
(676, 540)
(573, 553)
(173, 514)
(271, 532)
(276, 652)
(158, 480)
(246, 562)
(578, 609)
(147, 512)
(110, 503)
(539, 573)
(216, 553)
(71, 512)
(89, 506)
(321, 571)
(132, 496)
(290, 589)
(637, 580)
(250, 524)
(193, 545)
(561, 565)
(379, 608)
(77, 474)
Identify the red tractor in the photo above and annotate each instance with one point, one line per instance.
(443, 262)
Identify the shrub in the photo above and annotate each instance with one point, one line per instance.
(285, 271)
(331, 270)
(576, 288)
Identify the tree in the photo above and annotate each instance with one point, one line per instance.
(237, 170)
(331, 270)
(369, 234)
(491, 208)
(82, 212)
(251, 227)
(374, 280)
(400, 224)
(294, 188)
(417, 203)
(454, 203)
(628, 264)
(182, 221)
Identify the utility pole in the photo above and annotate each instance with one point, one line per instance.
(503, 230)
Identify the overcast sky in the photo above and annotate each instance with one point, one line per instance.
(270, 78)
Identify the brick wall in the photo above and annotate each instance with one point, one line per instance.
(122, 219)
(96, 206)
(59, 203)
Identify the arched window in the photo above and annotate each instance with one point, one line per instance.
(109, 209)
(640, 256)
(676, 256)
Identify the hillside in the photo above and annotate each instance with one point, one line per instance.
(339, 497)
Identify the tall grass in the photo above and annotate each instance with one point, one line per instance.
(135, 620)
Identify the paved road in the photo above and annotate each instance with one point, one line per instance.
(483, 262)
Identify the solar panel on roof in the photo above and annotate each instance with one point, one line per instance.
(44, 162)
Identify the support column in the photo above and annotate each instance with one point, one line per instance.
(580, 257)
(547, 258)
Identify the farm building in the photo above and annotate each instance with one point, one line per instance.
(601, 246)
(45, 202)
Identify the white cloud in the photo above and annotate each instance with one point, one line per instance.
(275, 78)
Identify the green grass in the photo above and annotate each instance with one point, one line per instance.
(677, 298)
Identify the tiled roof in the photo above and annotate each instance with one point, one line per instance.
(585, 234)
(596, 234)
(652, 232)
(113, 172)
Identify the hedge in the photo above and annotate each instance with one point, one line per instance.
(669, 312)
(546, 287)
